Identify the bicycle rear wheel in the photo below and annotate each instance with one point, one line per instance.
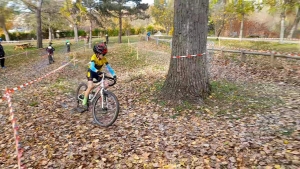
(80, 93)
(105, 116)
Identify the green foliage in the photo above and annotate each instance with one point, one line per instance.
(150, 28)
(281, 6)
(163, 13)
(140, 30)
(240, 7)
(20, 36)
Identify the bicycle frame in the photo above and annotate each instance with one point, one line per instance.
(100, 87)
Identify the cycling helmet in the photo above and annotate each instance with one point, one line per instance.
(100, 48)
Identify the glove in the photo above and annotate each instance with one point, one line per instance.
(115, 77)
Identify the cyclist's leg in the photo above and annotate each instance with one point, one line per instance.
(90, 76)
(52, 57)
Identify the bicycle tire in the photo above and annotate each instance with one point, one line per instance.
(111, 103)
(79, 92)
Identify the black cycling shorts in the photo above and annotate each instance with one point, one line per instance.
(91, 75)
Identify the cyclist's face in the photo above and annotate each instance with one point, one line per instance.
(99, 56)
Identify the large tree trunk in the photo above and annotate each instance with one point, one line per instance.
(39, 24)
(120, 27)
(295, 24)
(188, 78)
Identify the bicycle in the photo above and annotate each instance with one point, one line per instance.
(50, 57)
(102, 100)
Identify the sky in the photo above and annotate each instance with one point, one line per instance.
(148, 1)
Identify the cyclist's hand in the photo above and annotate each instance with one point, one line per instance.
(115, 77)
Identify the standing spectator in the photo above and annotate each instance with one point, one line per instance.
(148, 36)
(50, 51)
(106, 37)
(2, 55)
(68, 44)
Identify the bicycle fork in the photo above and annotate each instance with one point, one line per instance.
(103, 99)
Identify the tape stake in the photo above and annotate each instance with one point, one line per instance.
(188, 56)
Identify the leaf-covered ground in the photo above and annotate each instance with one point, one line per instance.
(251, 119)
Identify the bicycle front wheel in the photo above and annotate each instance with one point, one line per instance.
(80, 93)
(106, 109)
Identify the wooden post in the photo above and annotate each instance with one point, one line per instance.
(273, 58)
(219, 42)
(243, 56)
(222, 53)
(137, 54)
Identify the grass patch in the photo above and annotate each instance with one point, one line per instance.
(272, 46)
(232, 98)
(34, 104)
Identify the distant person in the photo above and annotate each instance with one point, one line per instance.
(68, 44)
(2, 55)
(148, 35)
(50, 49)
(106, 37)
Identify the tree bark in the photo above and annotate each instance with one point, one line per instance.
(75, 32)
(120, 27)
(295, 24)
(90, 41)
(222, 26)
(39, 24)
(282, 27)
(49, 30)
(6, 34)
(188, 78)
(242, 27)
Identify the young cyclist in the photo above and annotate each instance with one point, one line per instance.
(95, 65)
(50, 51)
(68, 44)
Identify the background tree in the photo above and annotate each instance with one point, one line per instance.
(163, 13)
(294, 5)
(188, 78)
(284, 7)
(6, 13)
(118, 9)
(36, 6)
(52, 17)
(218, 15)
(241, 8)
(73, 12)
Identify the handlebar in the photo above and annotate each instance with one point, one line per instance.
(103, 74)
